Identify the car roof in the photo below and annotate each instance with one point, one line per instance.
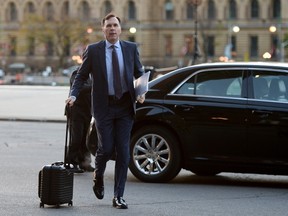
(274, 65)
(279, 65)
(268, 64)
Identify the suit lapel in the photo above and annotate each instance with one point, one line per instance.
(102, 55)
(125, 52)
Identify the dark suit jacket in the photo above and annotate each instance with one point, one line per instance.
(94, 62)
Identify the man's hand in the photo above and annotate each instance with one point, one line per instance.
(141, 98)
(70, 101)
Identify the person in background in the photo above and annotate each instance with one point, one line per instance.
(113, 65)
(80, 117)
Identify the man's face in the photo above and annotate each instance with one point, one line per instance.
(112, 30)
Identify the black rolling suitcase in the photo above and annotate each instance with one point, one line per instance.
(56, 182)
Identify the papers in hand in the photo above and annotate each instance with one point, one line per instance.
(141, 84)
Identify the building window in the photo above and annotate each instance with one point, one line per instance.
(168, 45)
(274, 45)
(211, 10)
(253, 46)
(13, 45)
(169, 10)
(65, 10)
(49, 11)
(210, 46)
(67, 46)
(84, 11)
(233, 43)
(131, 38)
(107, 7)
(30, 8)
(232, 9)
(254, 9)
(276, 8)
(12, 14)
(131, 11)
(189, 10)
(49, 47)
(31, 46)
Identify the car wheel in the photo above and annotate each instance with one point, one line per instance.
(155, 155)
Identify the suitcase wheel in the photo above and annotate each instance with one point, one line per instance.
(70, 203)
(41, 205)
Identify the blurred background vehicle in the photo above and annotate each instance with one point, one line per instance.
(47, 72)
(68, 71)
(2, 74)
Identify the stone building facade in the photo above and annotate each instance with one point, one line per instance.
(167, 31)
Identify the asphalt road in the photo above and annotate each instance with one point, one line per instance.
(25, 146)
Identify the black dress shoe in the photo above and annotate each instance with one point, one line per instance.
(87, 168)
(119, 203)
(98, 188)
(75, 169)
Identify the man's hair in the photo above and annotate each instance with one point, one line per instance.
(108, 16)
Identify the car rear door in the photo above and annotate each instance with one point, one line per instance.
(213, 106)
(268, 117)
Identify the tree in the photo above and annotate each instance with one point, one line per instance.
(56, 37)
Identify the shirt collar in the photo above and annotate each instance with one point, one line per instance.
(108, 44)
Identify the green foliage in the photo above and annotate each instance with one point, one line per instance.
(61, 33)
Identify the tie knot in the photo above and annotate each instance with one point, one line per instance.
(113, 46)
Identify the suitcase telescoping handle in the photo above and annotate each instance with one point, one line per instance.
(68, 124)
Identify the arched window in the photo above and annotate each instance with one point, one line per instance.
(276, 8)
(211, 10)
(30, 8)
(254, 9)
(131, 10)
(84, 11)
(12, 14)
(65, 10)
(189, 10)
(49, 11)
(169, 8)
(232, 9)
(107, 7)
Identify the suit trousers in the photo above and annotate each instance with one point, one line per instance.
(114, 135)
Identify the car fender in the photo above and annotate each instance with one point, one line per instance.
(149, 114)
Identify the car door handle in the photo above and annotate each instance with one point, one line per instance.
(263, 113)
(185, 107)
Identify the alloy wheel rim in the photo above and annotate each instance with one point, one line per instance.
(151, 154)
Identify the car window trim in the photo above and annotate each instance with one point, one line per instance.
(245, 70)
(250, 90)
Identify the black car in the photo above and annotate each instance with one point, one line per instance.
(212, 118)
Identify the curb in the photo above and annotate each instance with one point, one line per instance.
(34, 120)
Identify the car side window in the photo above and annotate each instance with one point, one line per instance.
(270, 86)
(226, 83)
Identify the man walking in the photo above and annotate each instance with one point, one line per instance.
(113, 65)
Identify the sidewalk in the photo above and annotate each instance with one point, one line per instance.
(33, 103)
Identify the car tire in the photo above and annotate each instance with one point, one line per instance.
(155, 155)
